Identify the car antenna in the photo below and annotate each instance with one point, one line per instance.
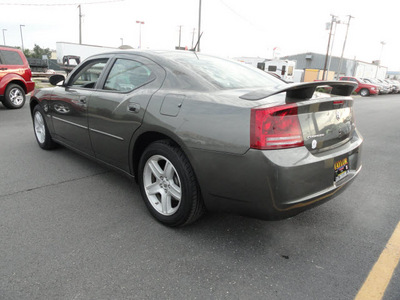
(196, 46)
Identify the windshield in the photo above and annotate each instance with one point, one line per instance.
(227, 74)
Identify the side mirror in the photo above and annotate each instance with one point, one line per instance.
(54, 79)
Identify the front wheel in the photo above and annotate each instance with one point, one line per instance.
(14, 96)
(168, 185)
(42, 133)
(364, 92)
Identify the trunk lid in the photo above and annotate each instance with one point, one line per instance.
(326, 121)
(326, 124)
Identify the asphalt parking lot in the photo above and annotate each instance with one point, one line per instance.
(72, 229)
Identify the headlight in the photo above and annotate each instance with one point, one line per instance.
(373, 88)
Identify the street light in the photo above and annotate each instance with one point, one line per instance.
(380, 57)
(180, 33)
(4, 37)
(22, 39)
(140, 33)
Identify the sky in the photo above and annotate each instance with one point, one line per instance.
(230, 28)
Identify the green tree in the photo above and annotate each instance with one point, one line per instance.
(37, 52)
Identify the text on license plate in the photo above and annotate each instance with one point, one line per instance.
(341, 168)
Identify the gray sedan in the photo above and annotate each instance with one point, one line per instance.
(201, 133)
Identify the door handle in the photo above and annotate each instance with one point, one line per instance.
(134, 107)
(3, 69)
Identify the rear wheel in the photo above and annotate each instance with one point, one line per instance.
(14, 96)
(168, 185)
(42, 133)
(364, 92)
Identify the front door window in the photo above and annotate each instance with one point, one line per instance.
(88, 76)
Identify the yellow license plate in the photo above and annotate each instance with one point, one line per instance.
(341, 169)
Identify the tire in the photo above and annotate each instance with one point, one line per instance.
(168, 185)
(364, 92)
(14, 96)
(41, 130)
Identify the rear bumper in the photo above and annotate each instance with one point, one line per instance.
(274, 184)
(30, 86)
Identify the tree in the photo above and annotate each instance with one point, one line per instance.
(37, 52)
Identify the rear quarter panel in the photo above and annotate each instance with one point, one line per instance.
(207, 121)
(15, 76)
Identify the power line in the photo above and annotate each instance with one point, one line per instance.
(62, 4)
(242, 17)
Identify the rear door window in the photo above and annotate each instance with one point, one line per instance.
(11, 58)
(127, 75)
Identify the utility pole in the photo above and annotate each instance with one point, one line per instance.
(198, 34)
(80, 24)
(194, 30)
(140, 33)
(22, 39)
(122, 41)
(327, 50)
(4, 37)
(344, 45)
(180, 33)
(333, 41)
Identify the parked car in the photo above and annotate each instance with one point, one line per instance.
(387, 86)
(383, 88)
(363, 88)
(395, 85)
(15, 77)
(199, 132)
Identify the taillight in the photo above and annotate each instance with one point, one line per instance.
(29, 74)
(275, 128)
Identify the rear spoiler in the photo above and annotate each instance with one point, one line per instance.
(303, 91)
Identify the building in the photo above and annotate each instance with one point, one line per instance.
(313, 66)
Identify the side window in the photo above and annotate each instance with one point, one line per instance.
(290, 71)
(126, 75)
(89, 74)
(11, 58)
(272, 68)
(261, 66)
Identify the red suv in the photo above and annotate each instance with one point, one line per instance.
(15, 77)
(363, 88)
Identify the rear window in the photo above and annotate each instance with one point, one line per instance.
(11, 58)
(226, 74)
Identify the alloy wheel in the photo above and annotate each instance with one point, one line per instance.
(162, 185)
(16, 96)
(40, 129)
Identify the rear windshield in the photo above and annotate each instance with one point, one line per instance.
(11, 58)
(227, 74)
